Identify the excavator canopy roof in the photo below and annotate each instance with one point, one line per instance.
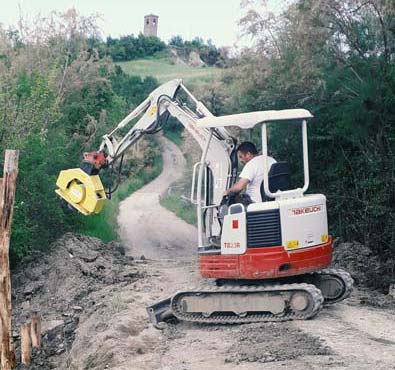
(249, 120)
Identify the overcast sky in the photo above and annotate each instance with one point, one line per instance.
(209, 19)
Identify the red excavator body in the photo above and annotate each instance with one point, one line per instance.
(266, 262)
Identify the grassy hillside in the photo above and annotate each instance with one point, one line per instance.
(163, 70)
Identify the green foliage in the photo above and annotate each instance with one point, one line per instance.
(38, 217)
(174, 135)
(57, 98)
(208, 52)
(130, 47)
(361, 151)
(173, 130)
(133, 89)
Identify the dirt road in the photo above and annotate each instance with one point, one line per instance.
(150, 230)
(348, 336)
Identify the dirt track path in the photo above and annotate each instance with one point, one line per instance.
(150, 230)
(347, 336)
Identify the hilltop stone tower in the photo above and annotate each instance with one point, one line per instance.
(151, 25)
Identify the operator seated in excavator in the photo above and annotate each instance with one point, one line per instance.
(251, 177)
(273, 256)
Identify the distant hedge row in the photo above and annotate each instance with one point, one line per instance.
(132, 47)
(127, 47)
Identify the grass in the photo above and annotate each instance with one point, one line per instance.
(181, 207)
(176, 202)
(163, 70)
(104, 225)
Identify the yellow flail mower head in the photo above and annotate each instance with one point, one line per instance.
(82, 188)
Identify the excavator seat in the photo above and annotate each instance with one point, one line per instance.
(279, 179)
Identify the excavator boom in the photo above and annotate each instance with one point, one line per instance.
(82, 188)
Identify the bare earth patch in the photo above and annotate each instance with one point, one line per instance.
(273, 342)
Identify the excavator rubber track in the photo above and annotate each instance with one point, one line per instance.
(247, 304)
(335, 284)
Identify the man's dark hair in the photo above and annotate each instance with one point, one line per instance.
(247, 147)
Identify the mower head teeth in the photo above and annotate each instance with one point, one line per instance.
(82, 191)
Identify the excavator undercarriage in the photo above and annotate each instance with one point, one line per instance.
(233, 301)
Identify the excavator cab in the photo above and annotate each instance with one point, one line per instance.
(275, 187)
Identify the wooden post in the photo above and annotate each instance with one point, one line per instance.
(26, 343)
(1, 266)
(391, 290)
(36, 329)
(7, 199)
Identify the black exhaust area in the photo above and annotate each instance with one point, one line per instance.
(285, 267)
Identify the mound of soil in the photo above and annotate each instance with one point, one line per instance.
(65, 284)
(367, 271)
(273, 342)
(359, 261)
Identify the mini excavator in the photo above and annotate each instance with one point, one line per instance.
(269, 261)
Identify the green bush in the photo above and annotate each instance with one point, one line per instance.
(207, 51)
(130, 47)
(38, 216)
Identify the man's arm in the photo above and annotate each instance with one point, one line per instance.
(238, 187)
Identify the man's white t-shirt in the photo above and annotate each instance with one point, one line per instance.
(253, 172)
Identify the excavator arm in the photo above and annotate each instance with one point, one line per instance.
(82, 187)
